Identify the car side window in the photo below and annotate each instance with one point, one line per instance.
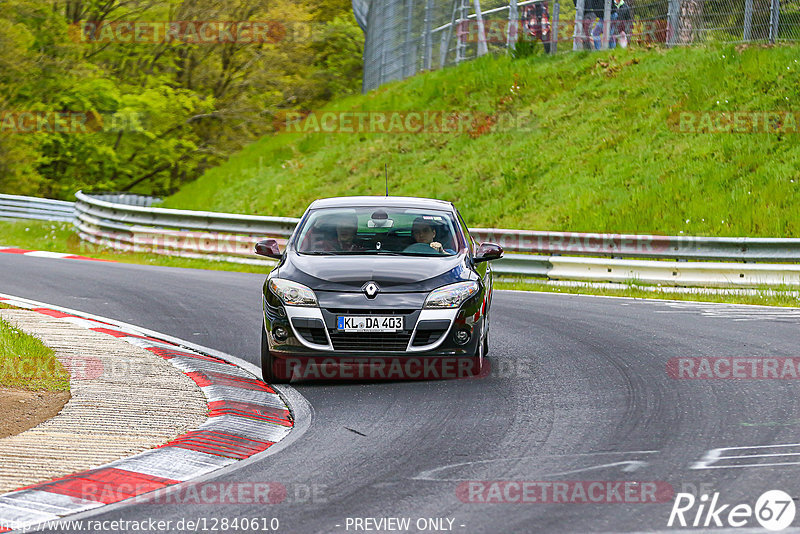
(465, 231)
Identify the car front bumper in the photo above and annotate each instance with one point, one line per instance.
(312, 332)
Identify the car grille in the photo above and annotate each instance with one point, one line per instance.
(369, 341)
(426, 337)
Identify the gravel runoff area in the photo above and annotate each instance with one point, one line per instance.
(125, 400)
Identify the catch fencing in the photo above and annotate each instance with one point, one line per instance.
(404, 37)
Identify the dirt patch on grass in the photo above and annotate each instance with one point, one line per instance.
(23, 409)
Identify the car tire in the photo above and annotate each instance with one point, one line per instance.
(486, 336)
(478, 357)
(268, 362)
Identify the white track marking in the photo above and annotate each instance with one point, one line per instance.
(714, 456)
(432, 474)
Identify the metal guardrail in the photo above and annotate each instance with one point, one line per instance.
(669, 273)
(207, 221)
(130, 222)
(45, 209)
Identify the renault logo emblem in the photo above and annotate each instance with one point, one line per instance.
(371, 289)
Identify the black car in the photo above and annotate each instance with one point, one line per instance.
(377, 287)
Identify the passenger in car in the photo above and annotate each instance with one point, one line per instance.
(346, 228)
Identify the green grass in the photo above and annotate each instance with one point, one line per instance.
(26, 363)
(764, 297)
(599, 156)
(60, 237)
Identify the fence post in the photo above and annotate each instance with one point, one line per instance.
(482, 48)
(554, 28)
(672, 22)
(428, 57)
(446, 35)
(513, 25)
(748, 19)
(606, 25)
(774, 15)
(577, 36)
(461, 36)
(409, 63)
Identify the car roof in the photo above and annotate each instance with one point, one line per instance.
(378, 201)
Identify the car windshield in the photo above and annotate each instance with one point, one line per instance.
(377, 230)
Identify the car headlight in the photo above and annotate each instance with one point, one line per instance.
(451, 296)
(292, 293)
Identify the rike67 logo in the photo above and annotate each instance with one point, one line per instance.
(774, 510)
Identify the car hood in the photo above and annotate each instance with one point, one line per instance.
(394, 274)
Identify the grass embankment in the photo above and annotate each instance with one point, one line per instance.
(61, 237)
(26, 363)
(602, 155)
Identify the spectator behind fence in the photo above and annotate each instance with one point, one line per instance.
(536, 23)
(591, 9)
(624, 23)
(597, 32)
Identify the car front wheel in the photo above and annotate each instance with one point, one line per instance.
(268, 362)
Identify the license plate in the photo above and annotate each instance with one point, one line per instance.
(347, 323)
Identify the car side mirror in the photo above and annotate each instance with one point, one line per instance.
(487, 252)
(268, 248)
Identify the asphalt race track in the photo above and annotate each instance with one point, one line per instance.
(578, 391)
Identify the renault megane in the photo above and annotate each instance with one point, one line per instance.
(364, 280)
